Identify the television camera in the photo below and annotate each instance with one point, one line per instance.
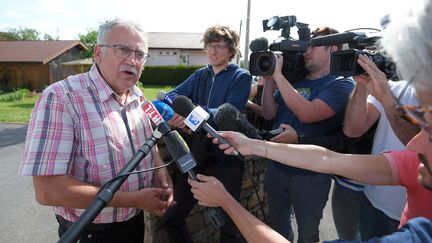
(344, 62)
(262, 59)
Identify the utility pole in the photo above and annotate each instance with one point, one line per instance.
(239, 55)
(246, 52)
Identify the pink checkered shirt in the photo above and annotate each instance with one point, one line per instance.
(77, 129)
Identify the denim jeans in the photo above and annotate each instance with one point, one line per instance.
(305, 195)
(375, 223)
(346, 212)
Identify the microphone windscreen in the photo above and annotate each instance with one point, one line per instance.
(165, 110)
(228, 118)
(259, 44)
(182, 105)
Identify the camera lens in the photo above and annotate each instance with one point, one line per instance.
(266, 63)
(348, 63)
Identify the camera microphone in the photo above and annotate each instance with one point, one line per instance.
(333, 39)
(259, 44)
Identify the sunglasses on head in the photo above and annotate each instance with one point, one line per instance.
(414, 114)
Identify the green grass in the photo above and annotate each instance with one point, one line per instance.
(150, 91)
(20, 111)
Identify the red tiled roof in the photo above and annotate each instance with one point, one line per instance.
(35, 51)
(175, 40)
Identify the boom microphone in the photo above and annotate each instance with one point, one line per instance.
(228, 118)
(334, 39)
(259, 44)
(195, 116)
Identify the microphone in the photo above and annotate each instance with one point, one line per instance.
(185, 163)
(259, 44)
(164, 110)
(334, 39)
(228, 118)
(165, 97)
(177, 147)
(195, 116)
(152, 112)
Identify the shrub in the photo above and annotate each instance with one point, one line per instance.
(166, 75)
(14, 96)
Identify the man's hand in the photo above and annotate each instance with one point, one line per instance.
(289, 135)
(163, 180)
(375, 80)
(209, 191)
(153, 200)
(278, 67)
(177, 121)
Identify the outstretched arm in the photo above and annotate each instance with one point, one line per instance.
(210, 192)
(370, 169)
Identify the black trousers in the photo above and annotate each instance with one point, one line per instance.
(174, 218)
(131, 230)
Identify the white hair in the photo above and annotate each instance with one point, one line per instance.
(408, 41)
(105, 28)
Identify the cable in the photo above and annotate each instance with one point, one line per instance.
(254, 185)
(135, 172)
(140, 171)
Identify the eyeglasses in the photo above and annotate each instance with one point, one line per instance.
(215, 47)
(414, 114)
(124, 52)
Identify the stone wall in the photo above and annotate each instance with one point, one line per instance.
(198, 224)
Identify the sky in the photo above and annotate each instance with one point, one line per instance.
(68, 18)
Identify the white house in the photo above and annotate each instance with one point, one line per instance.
(168, 48)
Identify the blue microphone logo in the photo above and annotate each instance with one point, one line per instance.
(195, 121)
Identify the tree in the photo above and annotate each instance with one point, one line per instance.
(89, 40)
(47, 37)
(24, 34)
(7, 36)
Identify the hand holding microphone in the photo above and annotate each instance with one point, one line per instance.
(195, 116)
(179, 150)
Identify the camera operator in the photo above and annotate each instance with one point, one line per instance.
(315, 106)
(372, 101)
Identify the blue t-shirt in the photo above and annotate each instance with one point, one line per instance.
(331, 89)
(417, 230)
